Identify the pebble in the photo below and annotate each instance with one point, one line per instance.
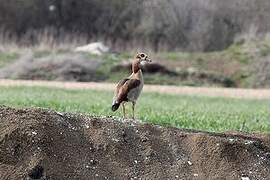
(249, 142)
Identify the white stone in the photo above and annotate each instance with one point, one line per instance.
(96, 48)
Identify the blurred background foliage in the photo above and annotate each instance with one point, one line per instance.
(193, 25)
(192, 42)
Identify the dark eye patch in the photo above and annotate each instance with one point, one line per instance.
(142, 55)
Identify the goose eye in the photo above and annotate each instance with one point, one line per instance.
(142, 55)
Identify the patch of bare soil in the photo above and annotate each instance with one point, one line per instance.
(43, 144)
(178, 90)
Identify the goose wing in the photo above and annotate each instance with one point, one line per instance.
(123, 88)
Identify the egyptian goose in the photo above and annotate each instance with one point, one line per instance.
(129, 89)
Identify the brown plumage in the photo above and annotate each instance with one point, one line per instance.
(129, 89)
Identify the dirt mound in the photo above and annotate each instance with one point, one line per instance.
(61, 67)
(188, 76)
(41, 144)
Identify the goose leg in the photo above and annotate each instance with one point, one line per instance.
(124, 110)
(133, 109)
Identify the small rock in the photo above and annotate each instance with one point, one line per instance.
(115, 140)
(96, 48)
(249, 142)
(60, 114)
(73, 128)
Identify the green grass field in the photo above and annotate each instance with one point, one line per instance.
(201, 113)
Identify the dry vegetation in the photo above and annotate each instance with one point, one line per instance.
(61, 67)
(127, 24)
(243, 64)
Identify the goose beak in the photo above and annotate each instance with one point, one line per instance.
(148, 60)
